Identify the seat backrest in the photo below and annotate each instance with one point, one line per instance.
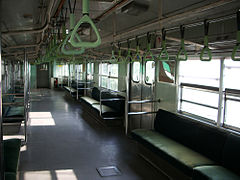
(175, 127)
(203, 138)
(96, 94)
(116, 105)
(231, 153)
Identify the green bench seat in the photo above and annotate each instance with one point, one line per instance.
(198, 151)
(11, 157)
(10, 176)
(89, 100)
(175, 153)
(213, 173)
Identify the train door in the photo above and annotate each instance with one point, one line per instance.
(43, 75)
(141, 90)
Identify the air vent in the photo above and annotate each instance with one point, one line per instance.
(135, 8)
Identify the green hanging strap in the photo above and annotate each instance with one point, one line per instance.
(113, 58)
(182, 54)
(65, 42)
(137, 57)
(119, 58)
(85, 19)
(236, 48)
(163, 56)
(206, 49)
(148, 55)
(129, 57)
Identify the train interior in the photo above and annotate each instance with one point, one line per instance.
(120, 89)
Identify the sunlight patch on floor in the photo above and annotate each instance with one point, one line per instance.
(65, 174)
(41, 119)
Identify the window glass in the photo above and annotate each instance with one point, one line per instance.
(104, 81)
(104, 68)
(200, 72)
(150, 72)
(113, 84)
(136, 71)
(167, 71)
(113, 70)
(200, 98)
(108, 76)
(232, 103)
(231, 74)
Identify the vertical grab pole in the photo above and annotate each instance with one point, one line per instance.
(100, 89)
(1, 133)
(77, 78)
(85, 84)
(127, 98)
(25, 96)
(221, 94)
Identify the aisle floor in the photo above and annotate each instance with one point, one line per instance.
(65, 143)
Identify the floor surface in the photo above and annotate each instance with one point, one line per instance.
(65, 143)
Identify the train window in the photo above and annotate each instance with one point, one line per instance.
(108, 76)
(150, 72)
(167, 71)
(136, 72)
(90, 70)
(199, 83)
(232, 93)
(80, 71)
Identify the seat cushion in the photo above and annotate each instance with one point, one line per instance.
(10, 176)
(89, 100)
(213, 173)
(178, 155)
(106, 111)
(11, 154)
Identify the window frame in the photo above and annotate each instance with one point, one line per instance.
(222, 101)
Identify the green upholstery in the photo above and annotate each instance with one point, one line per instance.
(10, 176)
(106, 111)
(213, 173)
(19, 100)
(16, 111)
(11, 154)
(178, 155)
(231, 156)
(89, 100)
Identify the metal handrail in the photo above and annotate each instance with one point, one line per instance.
(141, 113)
(197, 86)
(112, 99)
(143, 101)
(200, 104)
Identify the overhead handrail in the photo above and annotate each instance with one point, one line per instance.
(85, 19)
(128, 57)
(182, 53)
(163, 56)
(206, 49)
(137, 56)
(237, 46)
(65, 42)
(148, 55)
